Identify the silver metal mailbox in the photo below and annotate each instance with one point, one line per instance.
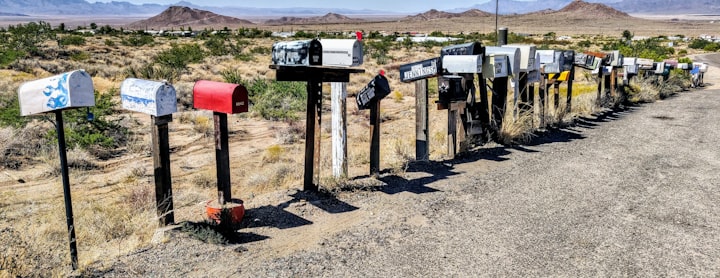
(462, 63)
(513, 54)
(495, 66)
(551, 61)
(703, 67)
(617, 59)
(67, 90)
(534, 74)
(659, 67)
(683, 66)
(527, 56)
(149, 97)
(645, 64)
(302, 53)
(342, 52)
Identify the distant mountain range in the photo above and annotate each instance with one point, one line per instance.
(83, 7)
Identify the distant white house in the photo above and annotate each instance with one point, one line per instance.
(426, 39)
(283, 34)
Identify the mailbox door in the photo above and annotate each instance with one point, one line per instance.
(241, 100)
(472, 48)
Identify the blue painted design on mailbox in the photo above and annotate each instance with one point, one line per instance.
(138, 100)
(58, 95)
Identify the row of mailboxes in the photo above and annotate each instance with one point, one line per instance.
(325, 52)
(159, 98)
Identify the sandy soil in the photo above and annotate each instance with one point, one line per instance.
(622, 193)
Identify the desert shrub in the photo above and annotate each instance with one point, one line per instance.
(154, 72)
(180, 55)
(232, 76)
(10, 111)
(71, 40)
(274, 100)
(138, 40)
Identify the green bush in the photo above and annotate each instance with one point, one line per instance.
(10, 111)
(273, 100)
(72, 40)
(154, 72)
(180, 55)
(138, 40)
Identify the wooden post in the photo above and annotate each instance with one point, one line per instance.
(375, 138)
(222, 158)
(601, 88)
(613, 84)
(422, 132)
(452, 131)
(499, 101)
(161, 163)
(556, 100)
(66, 187)
(312, 135)
(484, 105)
(568, 97)
(542, 91)
(339, 129)
(525, 98)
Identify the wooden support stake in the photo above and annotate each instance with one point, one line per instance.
(312, 135)
(531, 101)
(66, 187)
(556, 99)
(568, 97)
(339, 129)
(601, 87)
(613, 85)
(452, 131)
(499, 101)
(542, 91)
(375, 138)
(222, 158)
(422, 131)
(161, 163)
(525, 99)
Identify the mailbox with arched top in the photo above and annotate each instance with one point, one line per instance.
(297, 53)
(342, 52)
(150, 97)
(54, 94)
(68, 90)
(220, 97)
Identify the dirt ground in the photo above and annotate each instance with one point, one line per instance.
(622, 193)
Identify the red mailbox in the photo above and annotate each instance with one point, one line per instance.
(220, 97)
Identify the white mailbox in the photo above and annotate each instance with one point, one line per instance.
(630, 61)
(67, 90)
(683, 66)
(342, 52)
(149, 97)
(703, 67)
(616, 59)
(527, 56)
(513, 55)
(659, 67)
(645, 64)
(495, 66)
(462, 63)
(551, 61)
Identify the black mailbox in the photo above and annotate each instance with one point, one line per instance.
(377, 89)
(472, 48)
(450, 88)
(569, 60)
(301, 53)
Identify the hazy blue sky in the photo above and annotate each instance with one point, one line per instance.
(392, 5)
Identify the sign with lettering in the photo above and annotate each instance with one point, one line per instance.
(420, 70)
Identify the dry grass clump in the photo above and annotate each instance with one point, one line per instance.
(292, 133)
(20, 147)
(274, 176)
(519, 131)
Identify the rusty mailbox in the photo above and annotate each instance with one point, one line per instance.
(220, 97)
(149, 97)
(68, 90)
